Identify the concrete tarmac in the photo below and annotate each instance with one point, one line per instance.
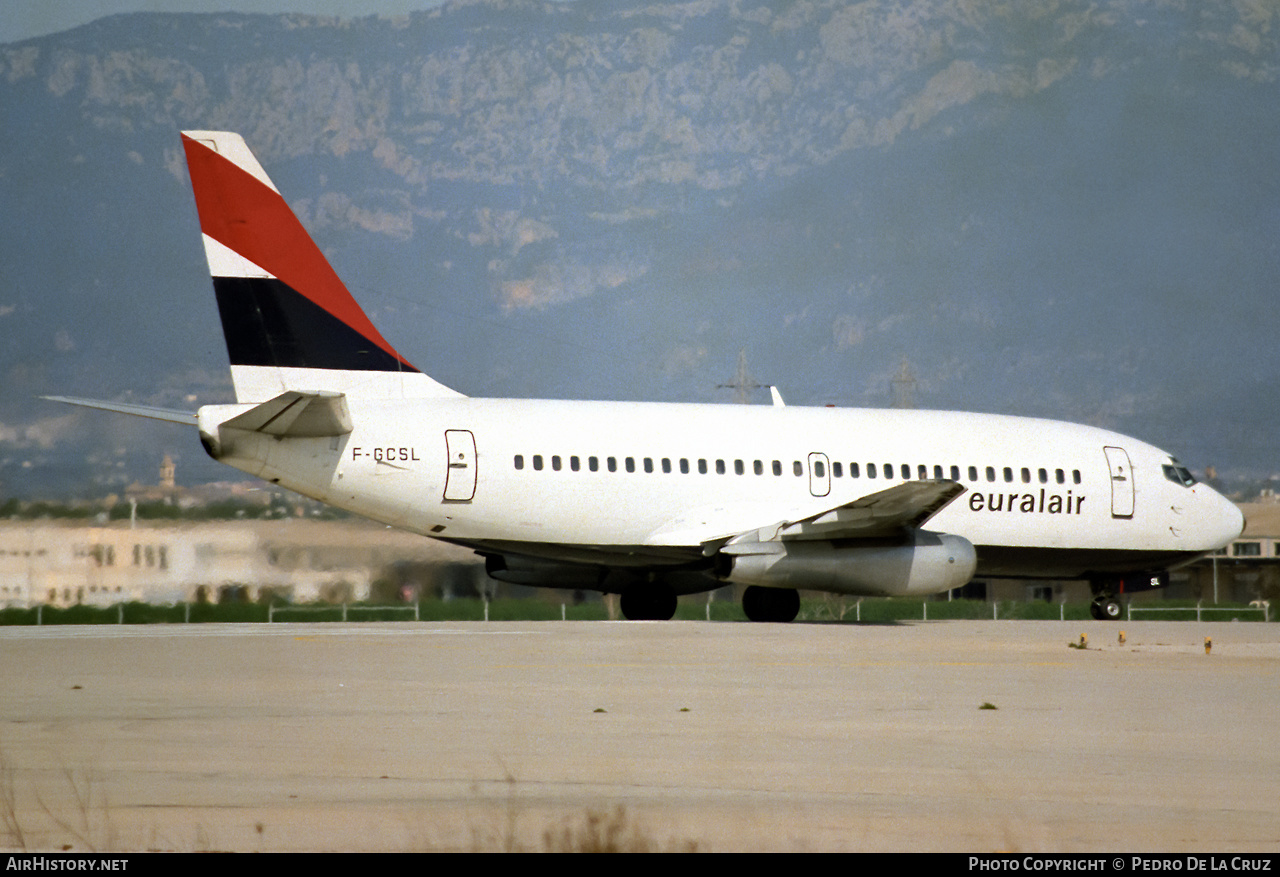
(673, 735)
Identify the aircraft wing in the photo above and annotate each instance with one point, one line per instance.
(187, 418)
(905, 506)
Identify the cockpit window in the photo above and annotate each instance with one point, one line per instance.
(1179, 474)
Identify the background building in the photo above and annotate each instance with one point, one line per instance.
(66, 563)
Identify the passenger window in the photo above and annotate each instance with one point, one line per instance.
(1075, 475)
(612, 463)
(630, 463)
(973, 473)
(906, 472)
(1060, 476)
(519, 461)
(871, 470)
(666, 465)
(555, 462)
(758, 467)
(537, 462)
(684, 465)
(1044, 476)
(777, 467)
(819, 470)
(837, 470)
(593, 463)
(738, 467)
(719, 467)
(702, 467)
(922, 472)
(1008, 475)
(574, 464)
(955, 473)
(1026, 475)
(648, 464)
(853, 470)
(797, 469)
(991, 473)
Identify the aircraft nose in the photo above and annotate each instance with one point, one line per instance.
(1227, 521)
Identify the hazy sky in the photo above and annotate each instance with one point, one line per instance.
(21, 19)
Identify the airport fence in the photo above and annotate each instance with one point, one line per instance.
(817, 609)
(1259, 610)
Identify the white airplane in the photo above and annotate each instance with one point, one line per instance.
(654, 500)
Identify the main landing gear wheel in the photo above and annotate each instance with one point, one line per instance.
(1106, 609)
(771, 604)
(648, 603)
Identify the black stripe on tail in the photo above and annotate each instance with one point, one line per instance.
(266, 322)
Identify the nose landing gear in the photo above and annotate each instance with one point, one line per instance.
(1106, 607)
(1106, 604)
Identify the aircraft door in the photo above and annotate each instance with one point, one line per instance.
(460, 476)
(819, 474)
(1121, 482)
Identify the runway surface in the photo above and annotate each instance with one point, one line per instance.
(473, 736)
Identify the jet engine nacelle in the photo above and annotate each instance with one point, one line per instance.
(930, 563)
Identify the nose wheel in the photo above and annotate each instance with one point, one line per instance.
(1106, 608)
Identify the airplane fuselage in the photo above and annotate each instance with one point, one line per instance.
(653, 482)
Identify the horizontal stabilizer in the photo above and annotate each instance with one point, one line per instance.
(301, 415)
(187, 418)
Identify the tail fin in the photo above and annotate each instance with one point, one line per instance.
(289, 322)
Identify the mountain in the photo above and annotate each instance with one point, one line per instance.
(1063, 209)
